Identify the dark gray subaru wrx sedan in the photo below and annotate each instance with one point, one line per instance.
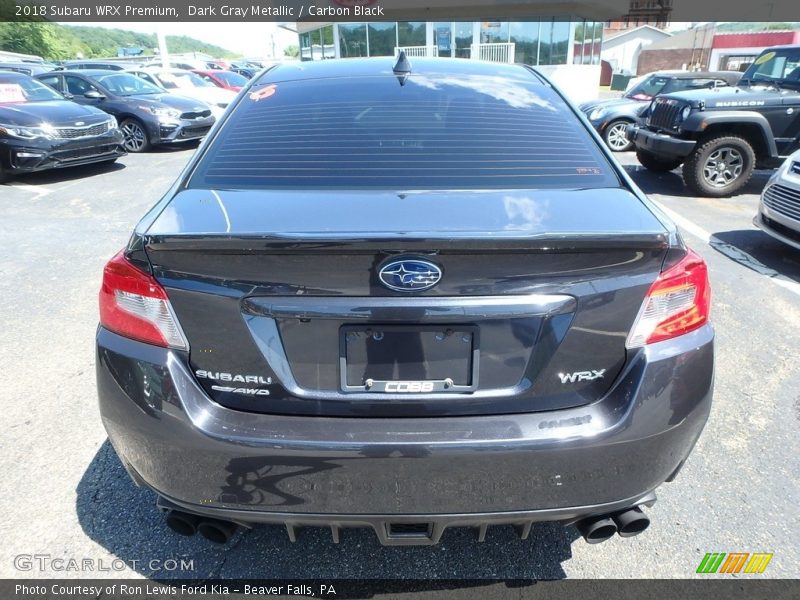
(405, 296)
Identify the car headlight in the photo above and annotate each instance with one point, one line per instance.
(686, 112)
(597, 113)
(162, 112)
(27, 133)
(112, 124)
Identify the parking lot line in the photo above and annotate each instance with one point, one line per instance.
(37, 190)
(732, 252)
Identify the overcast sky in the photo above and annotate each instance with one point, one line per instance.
(253, 40)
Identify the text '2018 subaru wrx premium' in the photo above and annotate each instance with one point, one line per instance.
(406, 297)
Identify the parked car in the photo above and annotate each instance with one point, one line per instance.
(779, 207)
(611, 117)
(186, 65)
(147, 115)
(27, 68)
(721, 135)
(94, 65)
(219, 64)
(245, 72)
(225, 79)
(186, 83)
(40, 129)
(434, 309)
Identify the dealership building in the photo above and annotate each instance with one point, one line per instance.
(567, 50)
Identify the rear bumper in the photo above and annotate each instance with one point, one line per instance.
(555, 465)
(659, 143)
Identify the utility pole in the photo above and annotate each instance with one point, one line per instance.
(162, 45)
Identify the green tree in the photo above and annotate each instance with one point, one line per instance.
(292, 51)
(29, 38)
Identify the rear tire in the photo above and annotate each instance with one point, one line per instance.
(653, 162)
(615, 138)
(720, 167)
(135, 133)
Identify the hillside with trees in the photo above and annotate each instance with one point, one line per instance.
(54, 41)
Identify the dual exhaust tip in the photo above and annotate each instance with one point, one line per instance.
(627, 523)
(214, 530)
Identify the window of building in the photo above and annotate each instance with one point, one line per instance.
(411, 33)
(587, 43)
(328, 49)
(352, 40)
(305, 46)
(554, 46)
(525, 37)
(382, 38)
(463, 35)
(443, 38)
(494, 32)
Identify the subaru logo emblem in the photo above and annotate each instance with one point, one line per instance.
(78, 123)
(410, 275)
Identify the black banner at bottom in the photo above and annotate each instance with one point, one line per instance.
(138, 589)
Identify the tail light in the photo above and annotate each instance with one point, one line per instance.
(678, 302)
(133, 304)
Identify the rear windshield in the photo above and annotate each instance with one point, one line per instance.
(432, 132)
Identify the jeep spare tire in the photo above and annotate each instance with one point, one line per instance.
(720, 166)
(654, 162)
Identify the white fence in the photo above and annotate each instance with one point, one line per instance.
(429, 51)
(503, 53)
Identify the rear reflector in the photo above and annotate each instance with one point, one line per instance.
(678, 302)
(133, 304)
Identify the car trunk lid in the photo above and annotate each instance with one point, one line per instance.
(280, 297)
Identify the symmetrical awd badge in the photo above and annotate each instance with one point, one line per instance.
(410, 275)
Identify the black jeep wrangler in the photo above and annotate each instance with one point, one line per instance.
(720, 135)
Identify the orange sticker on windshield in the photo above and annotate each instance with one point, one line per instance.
(264, 92)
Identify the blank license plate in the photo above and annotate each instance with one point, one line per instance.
(400, 359)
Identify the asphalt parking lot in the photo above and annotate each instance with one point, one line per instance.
(67, 496)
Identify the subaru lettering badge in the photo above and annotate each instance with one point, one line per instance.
(78, 123)
(410, 275)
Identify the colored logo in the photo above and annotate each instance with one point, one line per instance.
(734, 562)
(410, 275)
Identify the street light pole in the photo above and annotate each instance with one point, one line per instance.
(162, 45)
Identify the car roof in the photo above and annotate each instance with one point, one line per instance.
(366, 67)
(156, 68)
(12, 63)
(13, 75)
(86, 72)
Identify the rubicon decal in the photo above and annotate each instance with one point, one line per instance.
(741, 103)
(734, 562)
